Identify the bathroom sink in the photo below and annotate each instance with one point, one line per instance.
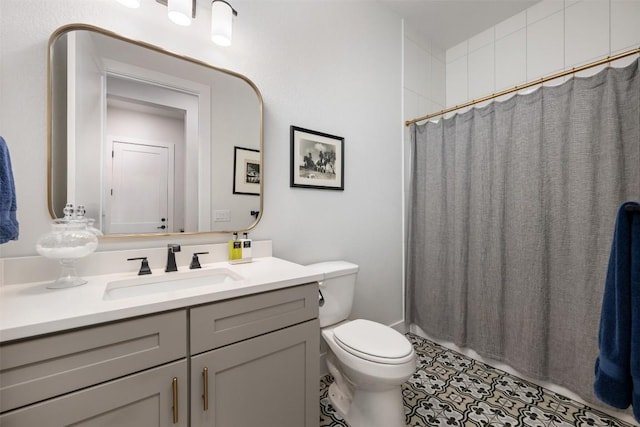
(148, 285)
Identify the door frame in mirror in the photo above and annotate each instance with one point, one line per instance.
(50, 133)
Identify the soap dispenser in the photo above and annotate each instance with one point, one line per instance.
(246, 248)
(235, 249)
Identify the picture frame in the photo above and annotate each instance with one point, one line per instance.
(246, 171)
(317, 159)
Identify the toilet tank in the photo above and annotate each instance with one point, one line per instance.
(337, 289)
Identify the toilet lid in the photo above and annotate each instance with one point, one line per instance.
(373, 341)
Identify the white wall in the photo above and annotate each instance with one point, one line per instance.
(551, 36)
(331, 69)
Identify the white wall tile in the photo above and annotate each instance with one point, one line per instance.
(482, 104)
(529, 90)
(417, 106)
(586, 31)
(482, 39)
(457, 51)
(590, 72)
(623, 62)
(481, 72)
(412, 55)
(439, 54)
(625, 24)
(419, 69)
(438, 82)
(543, 9)
(417, 37)
(456, 84)
(557, 82)
(545, 50)
(427, 106)
(511, 25)
(505, 97)
(511, 60)
(411, 105)
(424, 76)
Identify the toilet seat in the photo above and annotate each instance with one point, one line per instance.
(374, 342)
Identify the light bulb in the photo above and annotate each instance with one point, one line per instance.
(221, 22)
(180, 11)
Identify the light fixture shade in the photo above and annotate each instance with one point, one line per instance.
(180, 11)
(221, 22)
(133, 4)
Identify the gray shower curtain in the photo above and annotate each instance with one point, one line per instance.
(511, 220)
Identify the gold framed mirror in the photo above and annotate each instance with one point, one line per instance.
(147, 139)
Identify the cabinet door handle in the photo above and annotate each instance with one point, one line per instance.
(205, 389)
(175, 400)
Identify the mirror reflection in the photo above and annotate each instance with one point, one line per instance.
(149, 141)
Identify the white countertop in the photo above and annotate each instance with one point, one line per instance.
(31, 309)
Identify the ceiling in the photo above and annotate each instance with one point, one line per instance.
(444, 22)
(449, 22)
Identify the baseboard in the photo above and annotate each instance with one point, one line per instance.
(400, 326)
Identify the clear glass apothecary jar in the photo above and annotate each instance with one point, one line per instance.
(68, 241)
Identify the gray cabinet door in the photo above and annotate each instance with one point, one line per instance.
(48, 366)
(267, 381)
(145, 399)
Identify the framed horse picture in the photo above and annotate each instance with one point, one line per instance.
(246, 171)
(317, 159)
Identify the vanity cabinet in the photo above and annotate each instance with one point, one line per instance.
(123, 373)
(255, 360)
(242, 362)
(145, 399)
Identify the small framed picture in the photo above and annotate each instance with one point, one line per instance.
(317, 159)
(246, 171)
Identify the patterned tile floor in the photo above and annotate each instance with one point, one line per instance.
(449, 389)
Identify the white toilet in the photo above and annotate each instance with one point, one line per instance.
(369, 361)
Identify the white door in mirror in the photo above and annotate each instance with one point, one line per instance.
(140, 189)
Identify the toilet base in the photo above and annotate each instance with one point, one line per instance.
(369, 408)
(339, 400)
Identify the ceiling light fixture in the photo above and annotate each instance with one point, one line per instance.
(183, 11)
(222, 22)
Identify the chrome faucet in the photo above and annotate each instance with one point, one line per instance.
(171, 257)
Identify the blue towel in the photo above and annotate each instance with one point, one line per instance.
(8, 222)
(617, 371)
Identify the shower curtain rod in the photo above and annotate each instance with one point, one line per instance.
(526, 85)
